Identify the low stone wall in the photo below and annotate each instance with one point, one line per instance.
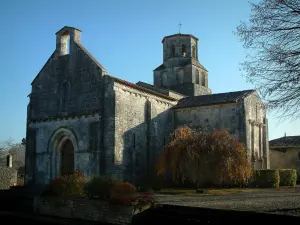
(85, 209)
(8, 177)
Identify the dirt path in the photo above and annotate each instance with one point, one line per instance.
(263, 201)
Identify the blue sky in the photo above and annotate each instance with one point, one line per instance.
(125, 37)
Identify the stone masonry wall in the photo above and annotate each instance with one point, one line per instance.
(8, 177)
(85, 209)
(66, 88)
(69, 84)
(86, 160)
(210, 117)
(285, 159)
(143, 124)
(256, 131)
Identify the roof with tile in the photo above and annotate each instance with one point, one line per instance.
(212, 99)
(183, 64)
(285, 142)
(138, 87)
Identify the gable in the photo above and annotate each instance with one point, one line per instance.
(81, 51)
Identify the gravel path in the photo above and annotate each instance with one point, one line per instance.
(273, 201)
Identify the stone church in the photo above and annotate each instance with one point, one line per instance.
(81, 118)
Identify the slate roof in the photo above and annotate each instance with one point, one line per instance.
(213, 99)
(196, 63)
(162, 66)
(138, 87)
(183, 35)
(183, 64)
(68, 27)
(285, 142)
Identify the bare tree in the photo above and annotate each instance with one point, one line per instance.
(272, 38)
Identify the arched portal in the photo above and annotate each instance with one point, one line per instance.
(67, 158)
(62, 151)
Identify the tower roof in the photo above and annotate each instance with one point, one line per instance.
(67, 27)
(180, 35)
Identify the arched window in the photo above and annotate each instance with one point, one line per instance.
(172, 51)
(183, 50)
(203, 79)
(194, 52)
(197, 77)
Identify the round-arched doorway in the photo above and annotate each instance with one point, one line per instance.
(62, 148)
(67, 158)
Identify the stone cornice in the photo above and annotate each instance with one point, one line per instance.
(255, 123)
(67, 117)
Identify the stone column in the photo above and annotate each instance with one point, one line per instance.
(266, 144)
(252, 144)
(261, 150)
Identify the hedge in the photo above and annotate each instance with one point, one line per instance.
(288, 177)
(267, 178)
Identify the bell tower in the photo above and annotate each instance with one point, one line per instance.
(181, 70)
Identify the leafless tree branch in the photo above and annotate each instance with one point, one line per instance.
(272, 39)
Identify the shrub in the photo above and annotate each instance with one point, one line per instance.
(99, 187)
(288, 177)
(122, 193)
(68, 185)
(267, 178)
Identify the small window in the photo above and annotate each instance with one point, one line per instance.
(65, 43)
(183, 50)
(298, 156)
(194, 52)
(172, 51)
(197, 77)
(203, 79)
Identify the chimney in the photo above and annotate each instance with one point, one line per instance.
(284, 134)
(9, 161)
(65, 39)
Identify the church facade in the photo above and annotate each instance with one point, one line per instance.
(81, 118)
